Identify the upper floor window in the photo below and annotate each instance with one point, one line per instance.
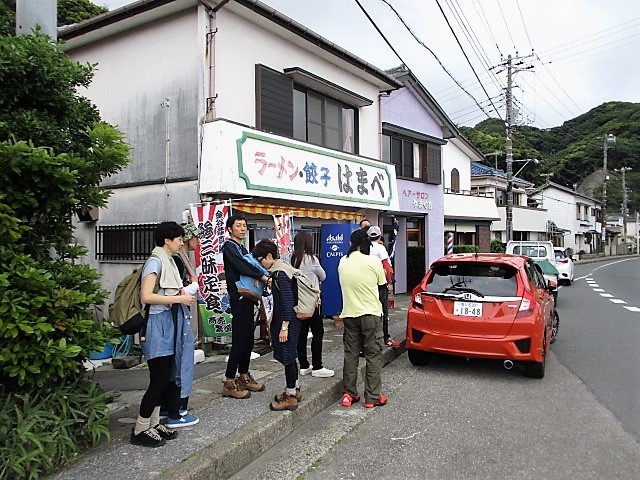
(413, 158)
(323, 121)
(291, 109)
(501, 198)
(455, 180)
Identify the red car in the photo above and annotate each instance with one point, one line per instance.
(483, 305)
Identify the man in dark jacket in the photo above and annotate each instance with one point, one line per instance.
(242, 310)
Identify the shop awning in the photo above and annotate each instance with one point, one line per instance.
(263, 209)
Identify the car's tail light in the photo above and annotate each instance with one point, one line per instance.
(564, 260)
(417, 298)
(526, 304)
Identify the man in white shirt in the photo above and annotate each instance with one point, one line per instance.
(378, 250)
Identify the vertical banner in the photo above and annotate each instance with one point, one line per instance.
(284, 227)
(214, 300)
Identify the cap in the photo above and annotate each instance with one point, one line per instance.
(190, 231)
(374, 231)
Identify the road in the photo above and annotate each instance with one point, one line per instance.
(600, 335)
(459, 419)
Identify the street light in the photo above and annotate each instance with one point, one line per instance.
(509, 211)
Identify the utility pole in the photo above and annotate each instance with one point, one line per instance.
(623, 170)
(610, 138)
(511, 70)
(509, 221)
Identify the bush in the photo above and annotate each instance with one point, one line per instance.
(497, 246)
(466, 249)
(43, 429)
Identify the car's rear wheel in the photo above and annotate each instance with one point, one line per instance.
(536, 369)
(555, 326)
(418, 357)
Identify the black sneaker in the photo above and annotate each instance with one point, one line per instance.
(165, 432)
(148, 438)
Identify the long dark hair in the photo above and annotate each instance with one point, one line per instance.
(359, 239)
(302, 244)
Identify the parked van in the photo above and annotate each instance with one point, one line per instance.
(542, 253)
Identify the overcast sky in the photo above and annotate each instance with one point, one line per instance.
(584, 51)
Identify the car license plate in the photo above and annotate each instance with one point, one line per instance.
(467, 309)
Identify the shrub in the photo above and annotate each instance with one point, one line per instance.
(43, 429)
(466, 249)
(497, 246)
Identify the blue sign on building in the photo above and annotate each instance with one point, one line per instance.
(334, 245)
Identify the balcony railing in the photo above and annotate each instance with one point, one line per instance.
(468, 193)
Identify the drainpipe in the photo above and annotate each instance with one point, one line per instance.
(167, 151)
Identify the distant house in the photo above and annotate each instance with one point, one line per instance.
(529, 222)
(574, 219)
(468, 211)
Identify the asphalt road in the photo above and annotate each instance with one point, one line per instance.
(459, 419)
(600, 335)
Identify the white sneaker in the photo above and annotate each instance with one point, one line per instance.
(306, 371)
(323, 373)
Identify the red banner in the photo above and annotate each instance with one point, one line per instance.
(284, 228)
(213, 301)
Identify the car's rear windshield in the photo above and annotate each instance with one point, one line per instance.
(560, 254)
(530, 250)
(488, 279)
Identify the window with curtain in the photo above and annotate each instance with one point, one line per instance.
(323, 121)
(412, 158)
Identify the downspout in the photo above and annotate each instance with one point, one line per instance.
(167, 151)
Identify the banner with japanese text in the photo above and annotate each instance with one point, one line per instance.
(284, 227)
(213, 302)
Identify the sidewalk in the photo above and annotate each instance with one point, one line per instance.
(232, 433)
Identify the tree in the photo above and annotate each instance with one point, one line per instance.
(74, 11)
(54, 153)
(69, 12)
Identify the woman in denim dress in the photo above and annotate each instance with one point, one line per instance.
(164, 339)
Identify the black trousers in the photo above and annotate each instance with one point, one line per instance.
(383, 295)
(241, 338)
(161, 389)
(317, 330)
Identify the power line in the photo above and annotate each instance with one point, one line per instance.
(465, 55)
(421, 43)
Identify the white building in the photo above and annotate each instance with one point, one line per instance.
(468, 212)
(529, 222)
(225, 100)
(574, 218)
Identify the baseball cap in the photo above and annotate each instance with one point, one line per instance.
(374, 231)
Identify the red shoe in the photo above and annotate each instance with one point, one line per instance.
(348, 399)
(382, 401)
(390, 342)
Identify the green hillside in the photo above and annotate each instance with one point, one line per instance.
(573, 151)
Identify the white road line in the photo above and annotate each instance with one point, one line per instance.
(598, 289)
(633, 309)
(617, 300)
(594, 285)
(606, 295)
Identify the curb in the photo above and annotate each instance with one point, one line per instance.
(229, 455)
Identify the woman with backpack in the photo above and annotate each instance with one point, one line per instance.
(284, 326)
(304, 260)
(166, 343)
